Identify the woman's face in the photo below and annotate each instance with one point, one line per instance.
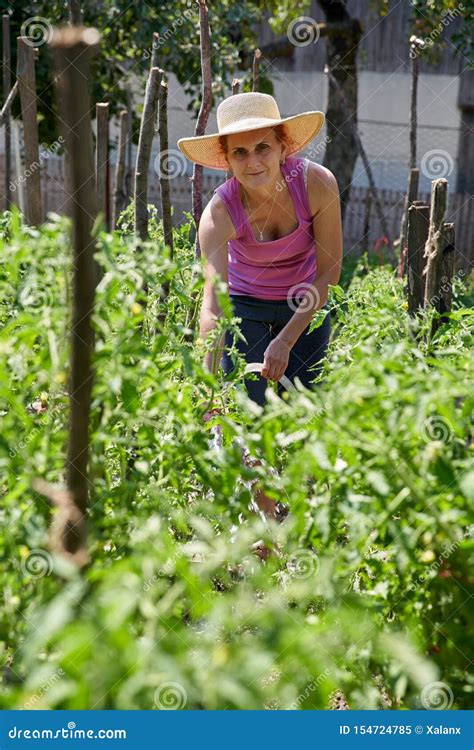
(254, 157)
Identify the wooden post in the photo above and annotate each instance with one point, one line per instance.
(73, 47)
(203, 116)
(444, 296)
(417, 234)
(235, 90)
(75, 13)
(410, 196)
(27, 86)
(129, 176)
(6, 88)
(102, 159)
(447, 267)
(256, 70)
(5, 111)
(120, 198)
(155, 46)
(164, 187)
(415, 46)
(434, 244)
(145, 141)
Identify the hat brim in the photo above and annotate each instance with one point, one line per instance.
(205, 149)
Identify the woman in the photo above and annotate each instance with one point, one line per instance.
(273, 233)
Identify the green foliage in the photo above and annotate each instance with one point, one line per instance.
(368, 591)
(126, 45)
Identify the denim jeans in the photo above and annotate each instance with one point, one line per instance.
(262, 320)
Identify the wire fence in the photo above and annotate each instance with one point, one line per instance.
(362, 230)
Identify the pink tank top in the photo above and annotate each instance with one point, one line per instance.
(269, 270)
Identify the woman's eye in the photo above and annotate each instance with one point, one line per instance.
(263, 146)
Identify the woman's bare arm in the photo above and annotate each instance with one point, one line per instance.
(325, 205)
(215, 230)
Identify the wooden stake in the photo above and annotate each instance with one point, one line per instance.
(434, 244)
(236, 86)
(203, 116)
(6, 109)
(120, 198)
(145, 142)
(165, 188)
(417, 234)
(73, 47)
(102, 159)
(410, 196)
(75, 13)
(27, 85)
(129, 169)
(256, 70)
(444, 296)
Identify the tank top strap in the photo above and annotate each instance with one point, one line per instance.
(228, 193)
(295, 173)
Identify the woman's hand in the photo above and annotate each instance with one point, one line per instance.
(275, 359)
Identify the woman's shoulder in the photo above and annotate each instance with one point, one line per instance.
(322, 186)
(217, 216)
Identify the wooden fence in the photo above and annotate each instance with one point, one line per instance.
(460, 208)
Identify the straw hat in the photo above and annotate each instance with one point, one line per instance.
(240, 113)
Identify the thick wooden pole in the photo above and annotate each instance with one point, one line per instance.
(417, 234)
(256, 70)
(203, 116)
(434, 244)
(120, 198)
(73, 47)
(164, 175)
(75, 13)
(410, 196)
(27, 86)
(443, 298)
(164, 186)
(102, 159)
(6, 59)
(145, 142)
